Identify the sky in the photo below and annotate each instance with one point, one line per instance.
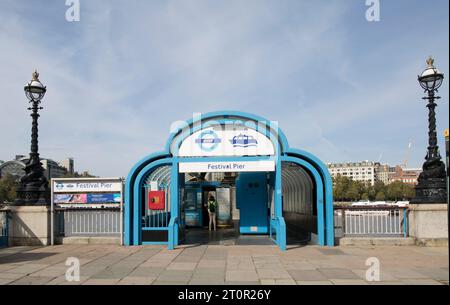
(341, 87)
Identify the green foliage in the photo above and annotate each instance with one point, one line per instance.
(395, 190)
(380, 196)
(346, 189)
(84, 174)
(8, 187)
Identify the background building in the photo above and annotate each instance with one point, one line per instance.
(52, 169)
(370, 172)
(68, 164)
(405, 175)
(382, 173)
(358, 171)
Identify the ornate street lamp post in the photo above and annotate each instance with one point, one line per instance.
(33, 188)
(431, 187)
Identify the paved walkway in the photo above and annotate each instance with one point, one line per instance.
(220, 264)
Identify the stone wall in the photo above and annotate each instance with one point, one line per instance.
(29, 225)
(428, 224)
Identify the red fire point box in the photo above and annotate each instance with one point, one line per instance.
(156, 200)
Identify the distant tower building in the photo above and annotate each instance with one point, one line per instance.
(382, 173)
(68, 164)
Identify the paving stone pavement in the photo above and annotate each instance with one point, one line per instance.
(223, 265)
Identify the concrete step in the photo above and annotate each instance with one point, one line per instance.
(86, 240)
(376, 241)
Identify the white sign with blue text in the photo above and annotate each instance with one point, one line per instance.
(64, 186)
(226, 141)
(227, 166)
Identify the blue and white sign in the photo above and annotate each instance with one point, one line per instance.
(223, 140)
(86, 186)
(104, 198)
(215, 167)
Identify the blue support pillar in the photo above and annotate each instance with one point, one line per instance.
(174, 206)
(127, 240)
(281, 226)
(137, 212)
(329, 209)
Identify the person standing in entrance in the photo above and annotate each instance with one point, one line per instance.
(212, 205)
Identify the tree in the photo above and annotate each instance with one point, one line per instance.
(379, 188)
(8, 187)
(395, 191)
(371, 193)
(365, 196)
(408, 192)
(340, 187)
(355, 190)
(380, 196)
(346, 189)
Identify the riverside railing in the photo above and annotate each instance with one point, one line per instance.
(371, 221)
(105, 221)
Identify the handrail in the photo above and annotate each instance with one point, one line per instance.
(278, 224)
(173, 220)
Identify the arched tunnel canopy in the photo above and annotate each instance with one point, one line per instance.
(160, 176)
(299, 209)
(300, 177)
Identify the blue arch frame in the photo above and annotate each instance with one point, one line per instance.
(283, 153)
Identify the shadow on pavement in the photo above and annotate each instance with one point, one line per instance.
(24, 257)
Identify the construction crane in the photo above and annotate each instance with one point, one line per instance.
(407, 154)
(379, 158)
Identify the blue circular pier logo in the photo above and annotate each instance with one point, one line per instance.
(208, 140)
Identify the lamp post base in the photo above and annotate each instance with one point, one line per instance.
(31, 196)
(431, 190)
(432, 183)
(33, 188)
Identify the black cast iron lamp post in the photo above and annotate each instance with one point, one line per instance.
(33, 188)
(431, 187)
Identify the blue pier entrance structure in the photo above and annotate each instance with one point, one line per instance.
(281, 192)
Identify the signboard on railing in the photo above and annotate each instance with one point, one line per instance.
(93, 206)
(84, 192)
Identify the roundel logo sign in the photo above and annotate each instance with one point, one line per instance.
(208, 140)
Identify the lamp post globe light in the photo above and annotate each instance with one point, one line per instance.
(431, 187)
(33, 188)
